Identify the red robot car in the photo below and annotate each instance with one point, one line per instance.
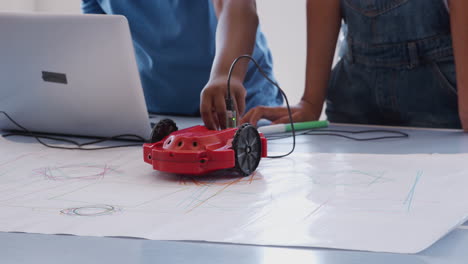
(198, 150)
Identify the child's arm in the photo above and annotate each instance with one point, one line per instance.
(459, 22)
(323, 27)
(235, 36)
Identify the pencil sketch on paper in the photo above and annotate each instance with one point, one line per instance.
(91, 210)
(409, 198)
(74, 172)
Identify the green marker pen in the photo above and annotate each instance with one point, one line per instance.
(281, 128)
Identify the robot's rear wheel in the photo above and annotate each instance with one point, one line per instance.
(247, 146)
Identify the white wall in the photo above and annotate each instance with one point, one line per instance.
(58, 6)
(17, 5)
(283, 23)
(51, 6)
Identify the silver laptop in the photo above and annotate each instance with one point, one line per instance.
(70, 74)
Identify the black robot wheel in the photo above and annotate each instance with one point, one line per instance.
(162, 129)
(247, 146)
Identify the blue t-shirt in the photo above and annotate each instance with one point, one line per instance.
(175, 47)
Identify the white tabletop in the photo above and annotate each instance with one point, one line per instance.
(34, 248)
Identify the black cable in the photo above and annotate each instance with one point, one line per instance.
(293, 130)
(336, 133)
(79, 146)
(325, 132)
(40, 136)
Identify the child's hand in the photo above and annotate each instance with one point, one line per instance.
(213, 104)
(301, 112)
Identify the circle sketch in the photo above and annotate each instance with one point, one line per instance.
(91, 210)
(74, 172)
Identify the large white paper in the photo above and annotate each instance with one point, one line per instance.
(385, 203)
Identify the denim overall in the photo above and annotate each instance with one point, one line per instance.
(397, 67)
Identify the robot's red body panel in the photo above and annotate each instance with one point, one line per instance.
(195, 150)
